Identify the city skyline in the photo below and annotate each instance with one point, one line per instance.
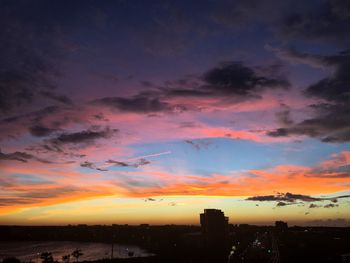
(131, 112)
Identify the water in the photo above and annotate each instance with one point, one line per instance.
(26, 251)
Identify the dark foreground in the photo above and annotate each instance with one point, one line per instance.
(172, 243)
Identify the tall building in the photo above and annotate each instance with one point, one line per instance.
(214, 225)
(281, 226)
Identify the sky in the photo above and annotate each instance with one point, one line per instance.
(130, 112)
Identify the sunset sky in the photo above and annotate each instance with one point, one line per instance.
(132, 112)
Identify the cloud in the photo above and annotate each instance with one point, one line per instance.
(233, 80)
(326, 22)
(284, 117)
(85, 136)
(40, 131)
(109, 163)
(138, 104)
(315, 21)
(331, 120)
(291, 198)
(34, 116)
(280, 204)
(334, 88)
(138, 163)
(66, 144)
(22, 157)
(198, 144)
(237, 79)
(33, 121)
(37, 196)
(92, 166)
(56, 97)
(296, 57)
(29, 54)
(331, 124)
(149, 199)
(241, 14)
(16, 156)
(314, 206)
(342, 171)
(330, 205)
(88, 165)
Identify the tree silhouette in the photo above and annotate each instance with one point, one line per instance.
(46, 257)
(77, 253)
(66, 258)
(11, 260)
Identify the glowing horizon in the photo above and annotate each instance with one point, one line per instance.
(150, 112)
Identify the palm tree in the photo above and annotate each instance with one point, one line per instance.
(77, 253)
(46, 257)
(66, 258)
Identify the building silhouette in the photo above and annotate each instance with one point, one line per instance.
(281, 225)
(214, 226)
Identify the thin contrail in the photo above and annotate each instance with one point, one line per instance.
(106, 165)
(149, 155)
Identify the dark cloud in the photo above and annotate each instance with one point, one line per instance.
(32, 121)
(87, 165)
(146, 84)
(279, 204)
(36, 196)
(149, 199)
(34, 116)
(235, 80)
(86, 136)
(29, 50)
(100, 117)
(138, 104)
(240, 14)
(118, 163)
(282, 204)
(56, 97)
(331, 124)
(16, 156)
(198, 144)
(284, 117)
(138, 163)
(21, 157)
(40, 131)
(291, 198)
(10, 201)
(231, 81)
(331, 120)
(314, 206)
(50, 148)
(92, 166)
(330, 205)
(334, 88)
(342, 171)
(327, 21)
(292, 21)
(188, 124)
